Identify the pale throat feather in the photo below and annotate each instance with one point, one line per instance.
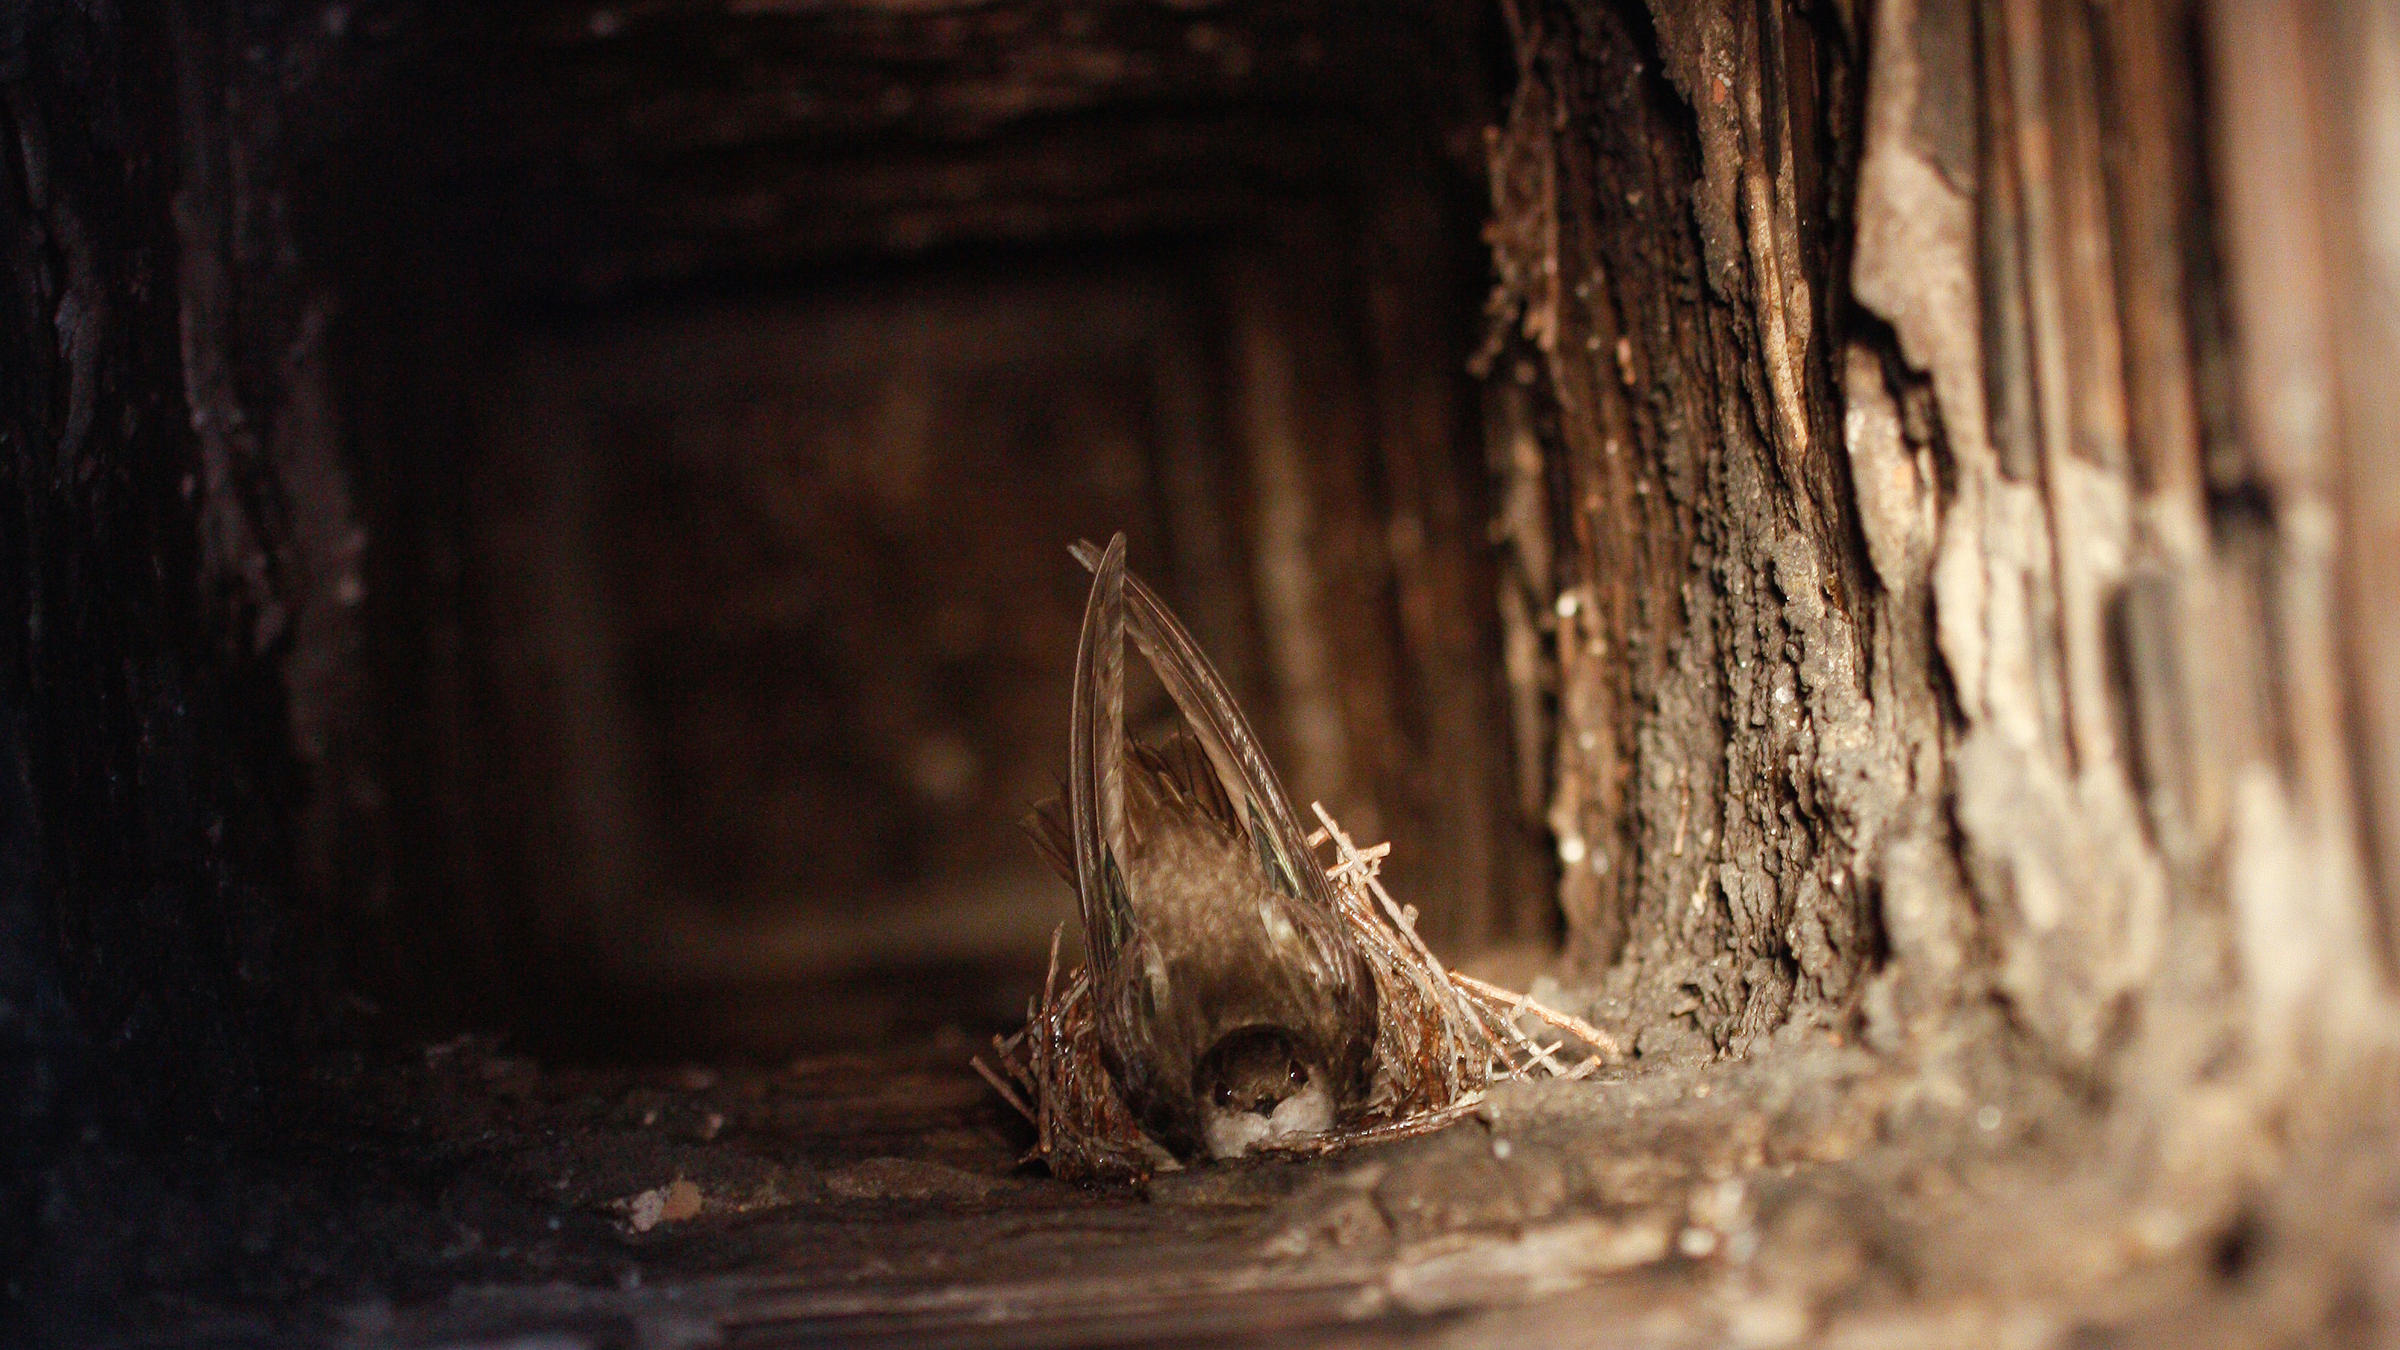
(1232, 1133)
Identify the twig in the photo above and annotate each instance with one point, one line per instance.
(1573, 1026)
(1050, 980)
(1003, 1089)
(1406, 925)
(1506, 1020)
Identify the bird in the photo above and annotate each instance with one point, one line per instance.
(1232, 1004)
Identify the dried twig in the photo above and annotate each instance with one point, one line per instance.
(1574, 1026)
(1007, 1093)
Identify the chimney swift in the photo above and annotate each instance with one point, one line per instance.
(1232, 1003)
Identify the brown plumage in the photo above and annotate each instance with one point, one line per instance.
(1231, 1002)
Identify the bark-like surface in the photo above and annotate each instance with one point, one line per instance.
(1745, 711)
(172, 617)
(1926, 509)
(1896, 626)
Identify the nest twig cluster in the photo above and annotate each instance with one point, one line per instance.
(1442, 1039)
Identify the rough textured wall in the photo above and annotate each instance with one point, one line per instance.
(132, 727)
(1936, 565)
(2137, 554)
(1746, 720)
(166, 599)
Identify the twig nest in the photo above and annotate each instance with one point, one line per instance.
(1441, 1039)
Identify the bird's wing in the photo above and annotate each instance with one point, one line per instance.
(1096, 763)
(1241, 765)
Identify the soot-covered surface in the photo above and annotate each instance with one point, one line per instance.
(461, 1195)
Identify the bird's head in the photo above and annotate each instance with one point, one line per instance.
(1256, 1087)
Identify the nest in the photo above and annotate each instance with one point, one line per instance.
(1442, 1039)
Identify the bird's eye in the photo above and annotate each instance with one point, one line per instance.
(1299, 1074)
(1224, 1095)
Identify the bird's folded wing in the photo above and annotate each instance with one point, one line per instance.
(1216, 720)
(1096, 762)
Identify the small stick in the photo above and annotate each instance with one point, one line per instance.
(1362, 864)
(1353, 874)
(1382, 896)
(1573, 1026)
(1349, 852)
(1002, 1088)
(1498, 1025)
(1507, 1021)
